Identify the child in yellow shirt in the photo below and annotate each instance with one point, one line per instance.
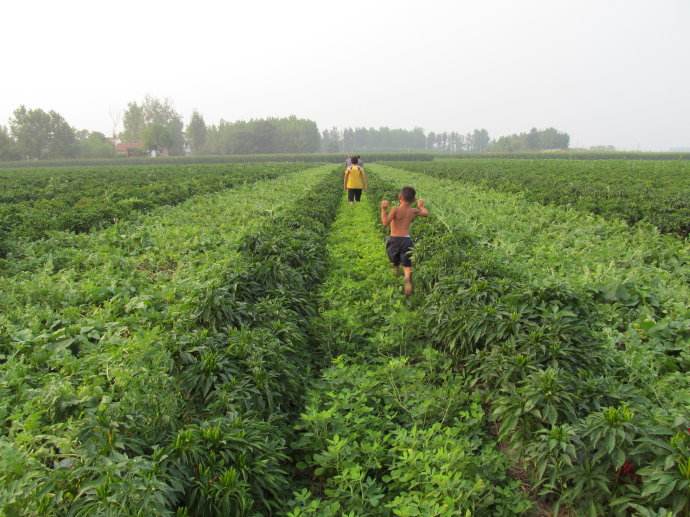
(355, 180)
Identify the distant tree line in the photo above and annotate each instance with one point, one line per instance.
(535, 140)
(270, 135)
(386, 139)
(159, 127)
(154, 125)
(37, 134)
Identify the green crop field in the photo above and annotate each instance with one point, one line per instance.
(229, 340)
(657, 192)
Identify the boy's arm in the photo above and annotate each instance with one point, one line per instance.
(386, 218)
(347, 173)
(422, 211)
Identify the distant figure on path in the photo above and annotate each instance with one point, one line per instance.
(355, 180)
(399, 245)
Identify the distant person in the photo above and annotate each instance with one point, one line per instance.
(399, 245)
(355, 180)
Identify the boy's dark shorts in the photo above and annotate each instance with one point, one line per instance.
(354, 194)
(400, 251)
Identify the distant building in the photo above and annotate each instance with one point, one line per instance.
(129, 149)
(163, 151)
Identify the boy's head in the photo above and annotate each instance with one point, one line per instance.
(408, 194)
(354, 160)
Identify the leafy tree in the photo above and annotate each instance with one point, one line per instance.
(157, 137)
(134, 122)
(552, 139)
(31, 130)
(8, 149)
(155, 123)
(431, 141)
(196, 132)
(272, 135)
(93, 144)
(164, 124)
(63, 140)
(348, 140)
(330, 141)
(41, 134)
(480, 140)
(535, 140)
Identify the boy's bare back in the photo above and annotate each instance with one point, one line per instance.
(401, 218)
(399, 245)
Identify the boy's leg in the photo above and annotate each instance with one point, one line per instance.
(358, 195)
(408, 287)
(407, 265)
(392, 253)
(351, 195)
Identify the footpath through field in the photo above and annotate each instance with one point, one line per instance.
(388, 429)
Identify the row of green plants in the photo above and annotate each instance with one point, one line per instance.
(586, 377)
(237, 158)
(576, 154)
(37, 201)
(656, 192)
(157, 373)
(389, 428)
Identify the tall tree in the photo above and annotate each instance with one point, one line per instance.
(134, 123)
(164, 125)
(155, 123)
(41, 134)
(63, 140)
(431, 141)
(93, 144)
(31, 131)
(8, 148)
(535, 140)
(330, 141)
(480, 140)
(196, 132)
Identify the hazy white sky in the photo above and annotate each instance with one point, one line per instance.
(607, 71)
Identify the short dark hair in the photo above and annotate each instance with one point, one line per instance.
(354, 160)
(408, 194)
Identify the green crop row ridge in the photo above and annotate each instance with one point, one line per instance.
(647, 192)
(156, 376)
(40, 203)
(576, 333)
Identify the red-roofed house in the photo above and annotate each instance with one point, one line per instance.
(129, 149)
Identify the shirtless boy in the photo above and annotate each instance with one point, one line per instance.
(399, 245)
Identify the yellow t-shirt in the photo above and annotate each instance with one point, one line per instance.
(356, 177)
